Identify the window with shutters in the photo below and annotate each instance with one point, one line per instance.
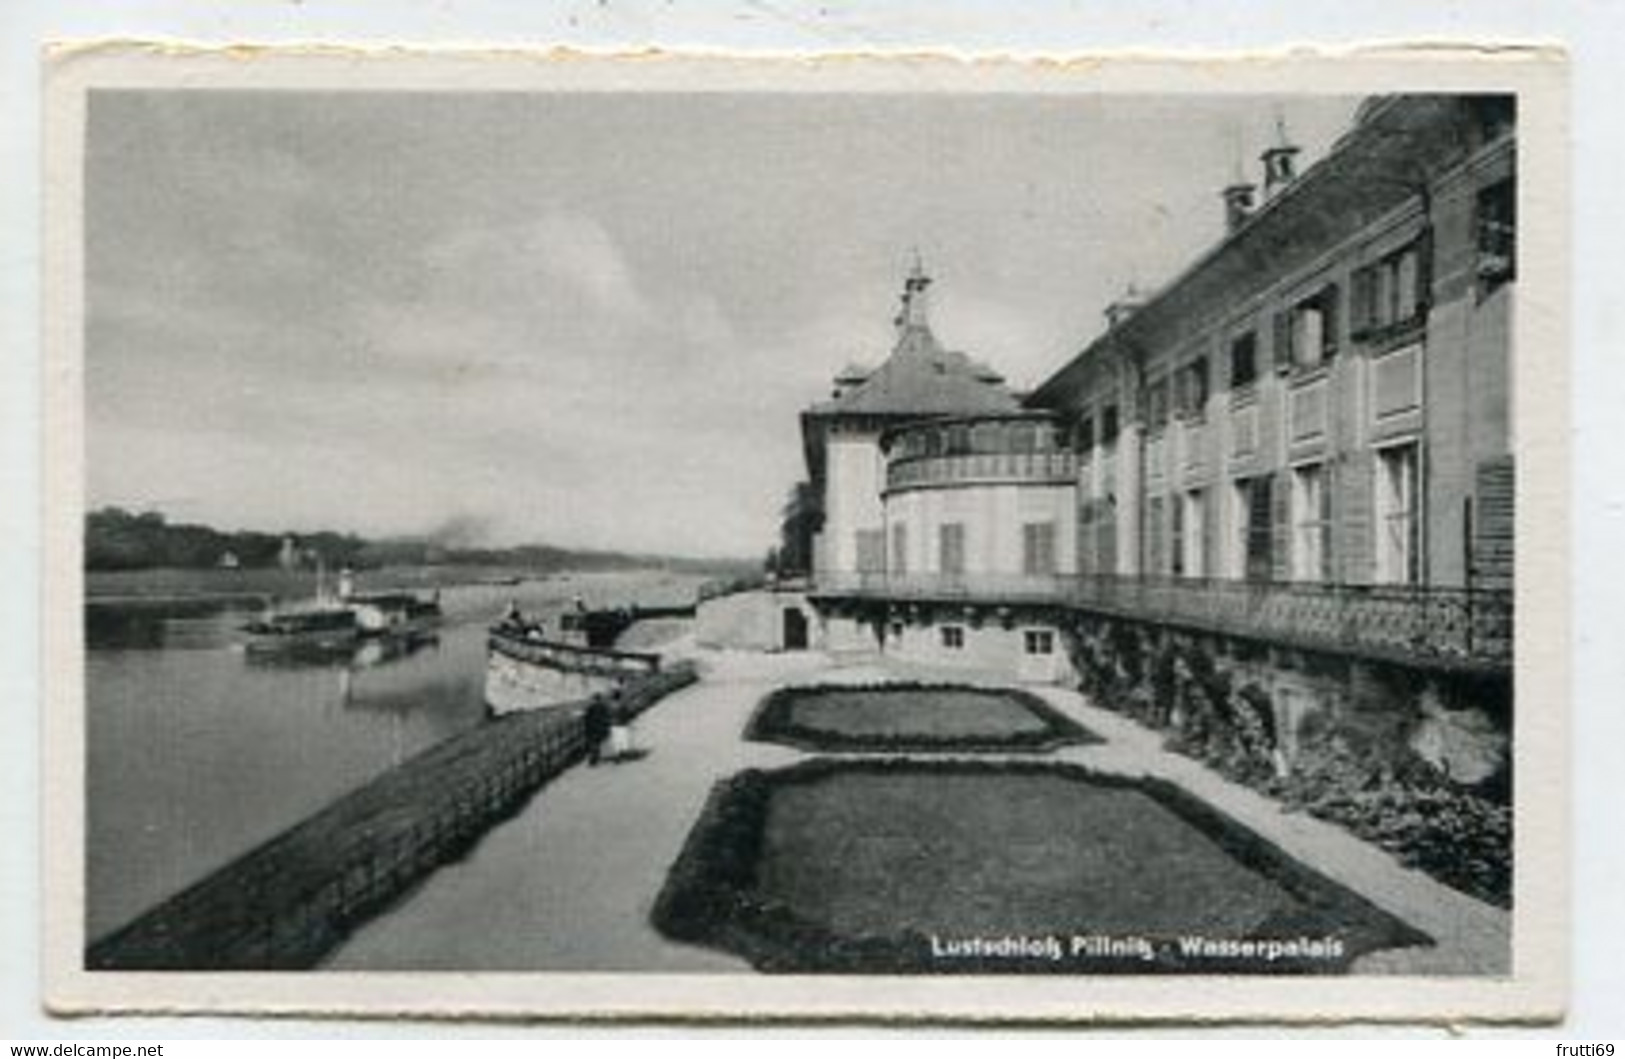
(1154, 539)
(1191, 390)
(1244, 361)
(1176, 536)
(1192, 529)
(1086, 436)
(871, 549)
(1496, 219)
(951, 548)
(1390, 294)
(1491, 518)
(1311, 523)
(1306, 334)
(1254, 531)
(1156, 405)
(1038, 549)
(1396, 510)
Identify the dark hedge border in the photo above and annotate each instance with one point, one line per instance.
(772, 722)
(710, 898)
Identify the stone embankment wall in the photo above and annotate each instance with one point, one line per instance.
(287, 903)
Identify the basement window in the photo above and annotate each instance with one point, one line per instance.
(1038, 642)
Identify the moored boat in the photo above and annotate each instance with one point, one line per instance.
(340, 621)
(314, 627)
(392, 613)
(526, 670)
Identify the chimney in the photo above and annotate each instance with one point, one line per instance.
(1124, 307)
(1238, 205)
(1280, 165)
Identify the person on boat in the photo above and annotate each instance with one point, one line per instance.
(597, 722)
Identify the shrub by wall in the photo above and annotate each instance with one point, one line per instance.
(1415, 763)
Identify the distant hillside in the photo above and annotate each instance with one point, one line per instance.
(116, 539)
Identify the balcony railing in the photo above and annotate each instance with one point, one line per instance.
(982, 466)
(1446, 625)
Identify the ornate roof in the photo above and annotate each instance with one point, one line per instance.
(921, 378)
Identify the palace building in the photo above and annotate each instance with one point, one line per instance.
(1292, 464)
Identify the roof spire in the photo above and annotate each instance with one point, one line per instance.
(912, 312)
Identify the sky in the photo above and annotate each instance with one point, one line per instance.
(590, 319)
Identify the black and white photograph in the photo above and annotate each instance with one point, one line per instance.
(640, 534)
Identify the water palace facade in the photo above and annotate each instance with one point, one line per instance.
(1291, 467)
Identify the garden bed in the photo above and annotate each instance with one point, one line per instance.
(912, 717)
(908, 866)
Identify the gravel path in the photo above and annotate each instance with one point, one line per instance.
(569, 882)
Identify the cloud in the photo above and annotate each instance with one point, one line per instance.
(565, 259)
(588, 318)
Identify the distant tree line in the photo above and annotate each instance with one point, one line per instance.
(116, 539)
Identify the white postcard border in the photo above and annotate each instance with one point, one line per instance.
(1535, 991)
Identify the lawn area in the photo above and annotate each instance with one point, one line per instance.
(911, 717)
(866, 866)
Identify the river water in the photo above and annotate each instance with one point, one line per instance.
(198, 751)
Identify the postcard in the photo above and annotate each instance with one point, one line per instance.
(843, 537)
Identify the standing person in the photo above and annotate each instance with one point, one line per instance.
(598, 722)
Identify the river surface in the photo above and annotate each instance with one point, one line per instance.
(199, 751)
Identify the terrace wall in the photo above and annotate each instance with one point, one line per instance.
(1272, 711)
